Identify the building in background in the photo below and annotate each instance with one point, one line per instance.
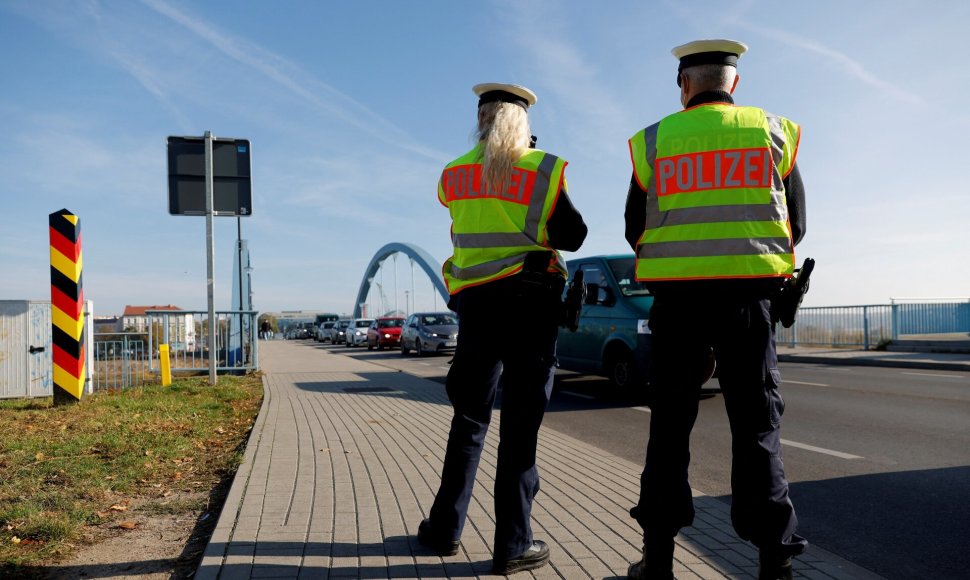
(181, 328)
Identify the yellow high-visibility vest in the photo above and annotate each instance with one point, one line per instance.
(493, 231)
(716, 205)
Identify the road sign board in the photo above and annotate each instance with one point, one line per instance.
(231, 173)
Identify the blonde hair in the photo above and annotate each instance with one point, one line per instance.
(503, 129)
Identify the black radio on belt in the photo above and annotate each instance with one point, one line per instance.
(535, 272)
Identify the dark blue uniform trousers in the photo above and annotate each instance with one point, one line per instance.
(509, 335)
(740, 332)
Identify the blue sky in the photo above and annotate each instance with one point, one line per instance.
(353, 108)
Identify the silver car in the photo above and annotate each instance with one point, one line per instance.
(325, 331)
(429, 332)
(357, 331)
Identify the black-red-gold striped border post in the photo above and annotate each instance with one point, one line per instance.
(67, 306)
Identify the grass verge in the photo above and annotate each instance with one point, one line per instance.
(99, 462)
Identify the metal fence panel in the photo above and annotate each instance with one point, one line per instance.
(123, 360)
(186, 333)
(120, 361)
(872, 325)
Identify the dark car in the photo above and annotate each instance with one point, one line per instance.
(339, 331)
(613, 338)
(385, 332)
(429, 332)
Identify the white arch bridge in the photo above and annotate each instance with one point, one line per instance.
(430, 266)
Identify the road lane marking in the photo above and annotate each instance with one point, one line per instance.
(581, 396)
(788, 381)
(838, 454)
(644, 409)
(934, 375)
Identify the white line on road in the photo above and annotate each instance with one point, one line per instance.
(838, 454)
(934, 375)
(787, 381)
(581, 396)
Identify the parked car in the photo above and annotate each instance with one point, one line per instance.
(296, 333)
(325, 331)
(613, 339)
(429, 332)
(384, 332)
(357, 331)
(339, 331)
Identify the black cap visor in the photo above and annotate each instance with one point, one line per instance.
(503, 97)
(722, 58)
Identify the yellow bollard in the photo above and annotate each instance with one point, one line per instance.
(165, 364)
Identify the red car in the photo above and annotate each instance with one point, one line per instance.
(384, 332)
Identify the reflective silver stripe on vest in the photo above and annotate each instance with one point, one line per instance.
(710, 248)
(777, 149)
(543, 175)
(486, 268)
(530, 234)
(650, 150)
(496, 240)
(776, 211)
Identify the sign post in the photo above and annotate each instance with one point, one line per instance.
(209, 176)
(210, 258)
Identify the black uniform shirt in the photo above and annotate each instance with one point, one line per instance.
(635, 214)
(565, 226)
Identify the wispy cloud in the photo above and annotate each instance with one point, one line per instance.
(297, 81)
(852, 67)
(559, 66)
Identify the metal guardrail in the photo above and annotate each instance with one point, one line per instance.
(120, 360)
(872, 326)
(130, 359)
(186, 333)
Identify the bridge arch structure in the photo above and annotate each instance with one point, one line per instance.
(430, 266)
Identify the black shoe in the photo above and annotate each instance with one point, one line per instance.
(442, 546)
(535, 556)
(656, 563)
(774, 568)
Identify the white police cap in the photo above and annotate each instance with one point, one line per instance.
(506, 93)
(710, 51)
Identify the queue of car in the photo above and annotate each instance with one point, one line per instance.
(613, 339)
(421, 332)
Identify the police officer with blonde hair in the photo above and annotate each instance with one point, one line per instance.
(714, 211)
(510, 216)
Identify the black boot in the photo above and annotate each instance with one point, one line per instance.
(773, 567)
(535, 556)
(428, 538)
(657, 562)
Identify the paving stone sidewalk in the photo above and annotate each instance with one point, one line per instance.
(343, 462)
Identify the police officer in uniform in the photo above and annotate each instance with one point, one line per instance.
(510, 214)
(714, 210)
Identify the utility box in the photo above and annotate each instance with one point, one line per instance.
(27, 349)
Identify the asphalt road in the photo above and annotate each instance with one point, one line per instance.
(878, 458)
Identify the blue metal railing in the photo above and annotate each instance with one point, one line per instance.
(186, 333)
(871, 326)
